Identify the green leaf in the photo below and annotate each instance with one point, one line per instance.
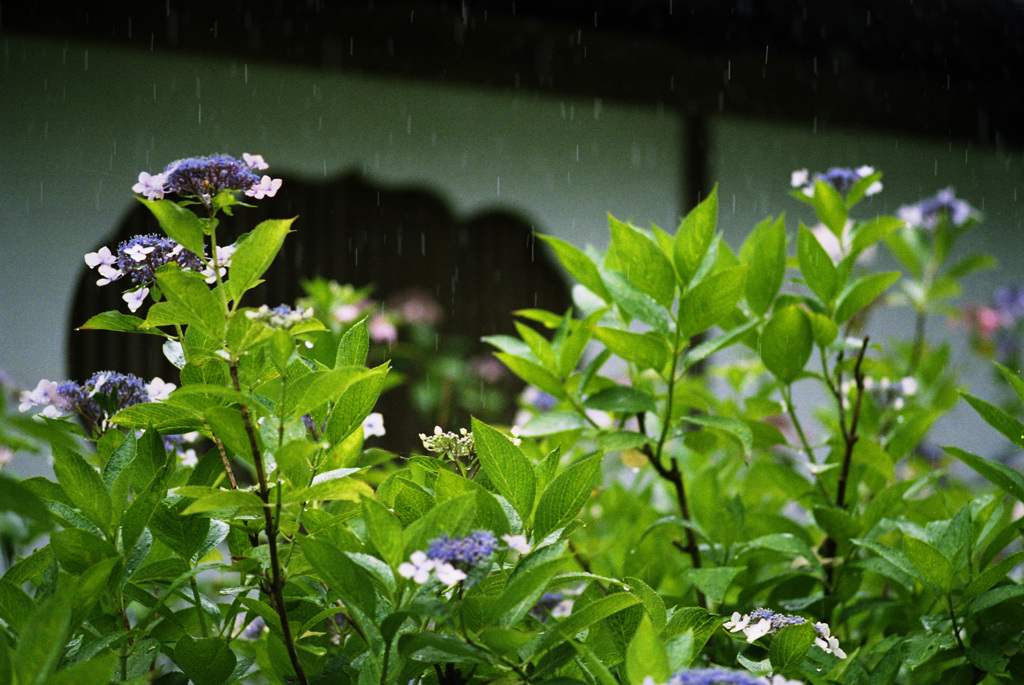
(77, 550)
(871, 232)
(711, 300)
(532, 374)
(83, 485)
(579, 620)
(694, 237)
(637, 303)
(765, 252)
(353, 346)
(713, 582)
(116, 321)
(435, 648)
(566, 495)
(167, 418)
(384, 530)
(506, 467)
(229, 427)
(823, 329)
(315, 389)
(15, 604)
(352, 407)
(816, 266)
(649, 350)
(190, 295)
(95, 670)
(1010, 427)
(646, 656)
(789, 646)
(735, 427)
(539, 346)
(863, 292)
(207, 661)
(351, 581)
(184, 535)
(42, 641)
(786, 343)
(1010, 480)
(788, 544)
(522, 593)
(621, 399)
(929, 562)
(16, 498)
(180, 224)
(216, 499)
(579, 266)
(255, 254)
(642, 261)
(829, 206)
(550, 422)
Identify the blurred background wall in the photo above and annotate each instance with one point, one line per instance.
(559, 112)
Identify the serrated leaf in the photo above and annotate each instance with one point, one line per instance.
(42, 641)
(506, 467)
(565, 495)
(636, 303)
(83, 485)
(786, 343)
(532, 374)
(179, 223)
(641, 260)
(830, 207)
(713, 582)
(1011, 428)
(929, 562)
(206, 661)
(1001, 476)
(765, 252)
(712, 300)
(646, 656)
(595, 611)
(621, 399)
(789, 646)
(254, 255)
(694, 236)
(579, 266)
(649, 350)
(192, 297)
(353, 346)
(863, 292)
(816, 266)
(116, 321)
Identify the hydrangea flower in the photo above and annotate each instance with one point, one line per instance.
(761, 622)
(205, 177)
(450, 560)
(463, 553)
(840, 178)
(373, 425)
(517, 543)
(182, 445)
(152, 187)
(283, 316)
(927, 213)
(382, 330)
(96, 400)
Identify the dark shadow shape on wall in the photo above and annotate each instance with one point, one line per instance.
(349, 229)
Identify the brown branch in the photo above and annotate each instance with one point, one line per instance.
(275, 585)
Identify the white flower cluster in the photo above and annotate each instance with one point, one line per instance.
(279, 317)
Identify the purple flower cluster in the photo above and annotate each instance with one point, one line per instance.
(840, 178)
(283, 316)
(713, 676)
(463, 553)
(95, 400)
(138, 259)
(929, 212)
(205, 177)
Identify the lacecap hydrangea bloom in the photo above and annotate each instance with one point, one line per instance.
(95, 401)
(205, 177)
(928, 212)
(720, 676)
(840, 178)
(761, 622)
(138, 258)
(450, 560)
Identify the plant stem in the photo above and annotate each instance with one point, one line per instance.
(275, 585)
(199, 607)
(850, 436)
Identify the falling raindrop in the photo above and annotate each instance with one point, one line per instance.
(499, 187)
(245, 73)
(86, 66)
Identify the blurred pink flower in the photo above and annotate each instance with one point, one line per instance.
(381, 330)
(416, 307)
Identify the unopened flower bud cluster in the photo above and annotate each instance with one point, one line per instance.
(886, 393)
(283, 316)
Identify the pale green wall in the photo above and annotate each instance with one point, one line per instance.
(78, 122)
